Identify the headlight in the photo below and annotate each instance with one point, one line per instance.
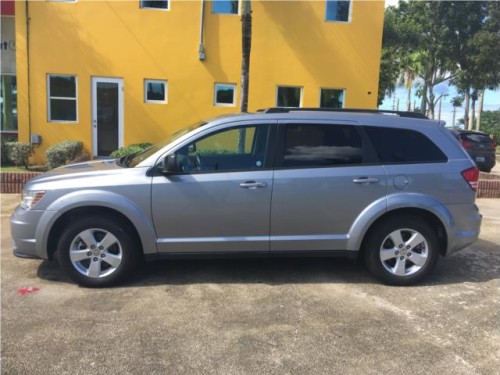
(30, 198)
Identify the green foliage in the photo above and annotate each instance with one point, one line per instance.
(490, 123)
(19, 153)
(63, 153)
(436, 41)
(130, 150)
(4, 151)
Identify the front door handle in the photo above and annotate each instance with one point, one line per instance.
(253, 185)
(366, 180)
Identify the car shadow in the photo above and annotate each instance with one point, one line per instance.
(468, 265)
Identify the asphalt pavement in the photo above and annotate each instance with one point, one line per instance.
(259, 316)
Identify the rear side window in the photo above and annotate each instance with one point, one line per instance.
(321, 145)
(395, 146)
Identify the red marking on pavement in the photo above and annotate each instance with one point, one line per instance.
(24, 291)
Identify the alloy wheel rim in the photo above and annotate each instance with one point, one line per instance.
(404, 252)
(95, 253)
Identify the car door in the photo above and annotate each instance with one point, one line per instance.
(220, 199)
(324, 179)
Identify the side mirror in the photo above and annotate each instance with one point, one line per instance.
(169, 164)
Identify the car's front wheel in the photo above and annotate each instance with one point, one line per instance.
(401, 250)
(96, 251)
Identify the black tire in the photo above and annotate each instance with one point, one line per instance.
(392, 262)
(108, 254)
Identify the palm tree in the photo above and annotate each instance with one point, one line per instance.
(246, 44)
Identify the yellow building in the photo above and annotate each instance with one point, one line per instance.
(114, 73)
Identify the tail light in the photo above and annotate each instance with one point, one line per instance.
(493, 145)
(466, 144)
(471, 175)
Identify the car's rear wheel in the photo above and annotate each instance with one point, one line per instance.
(97, 251)
(401, 250)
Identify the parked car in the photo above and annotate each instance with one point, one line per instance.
(395, 190)
(479, 146)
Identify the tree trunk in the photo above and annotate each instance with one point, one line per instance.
(408, 100)
(453, 117)
(423, 102)
(472, 113)
(246, 44)
(466, 108)
(431, 101)
(480, 109)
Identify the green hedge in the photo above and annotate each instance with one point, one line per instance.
(63, 153)
(130, 150)
(3, 148)
(17, 153)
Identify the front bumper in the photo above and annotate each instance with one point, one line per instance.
(23, 224)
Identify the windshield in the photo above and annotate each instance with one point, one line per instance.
(132, 160)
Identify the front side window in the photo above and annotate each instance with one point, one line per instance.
(338, 10)
(225, 6)
(154, 4)
(403, 146)
(62, 98)
(225, 94)
(288, 96)
(235, 149)
(155, 91)
(321, 145)
(332, 98)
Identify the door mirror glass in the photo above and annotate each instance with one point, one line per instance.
(169, 164)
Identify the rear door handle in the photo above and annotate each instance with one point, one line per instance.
(253, 185)
(366, 180)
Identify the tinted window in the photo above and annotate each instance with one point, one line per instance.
(235, 149)
(476, 137)
(404, 146)
(317, 145)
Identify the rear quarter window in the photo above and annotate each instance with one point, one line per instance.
(396, 146)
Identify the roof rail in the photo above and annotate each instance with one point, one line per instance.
(354, 110)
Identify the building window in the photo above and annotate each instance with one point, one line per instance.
(289, 96)
(331, 98)
(62, 98)
(154, 4)
(155, 91)
(225, 6)
(338, 10)
(8, 102)
(225, 94)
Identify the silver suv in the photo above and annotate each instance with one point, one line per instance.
(396, 190)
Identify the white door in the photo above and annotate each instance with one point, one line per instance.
(107, 115)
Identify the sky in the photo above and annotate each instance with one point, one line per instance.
(491, 98)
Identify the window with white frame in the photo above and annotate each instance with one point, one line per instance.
(225, 6)
(154, 4)
(338, 10)
(225, 94)
(155, 91)
(331, 98)
(62, 98)
(288, 96)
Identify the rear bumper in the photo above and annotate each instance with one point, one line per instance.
(466, 227)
